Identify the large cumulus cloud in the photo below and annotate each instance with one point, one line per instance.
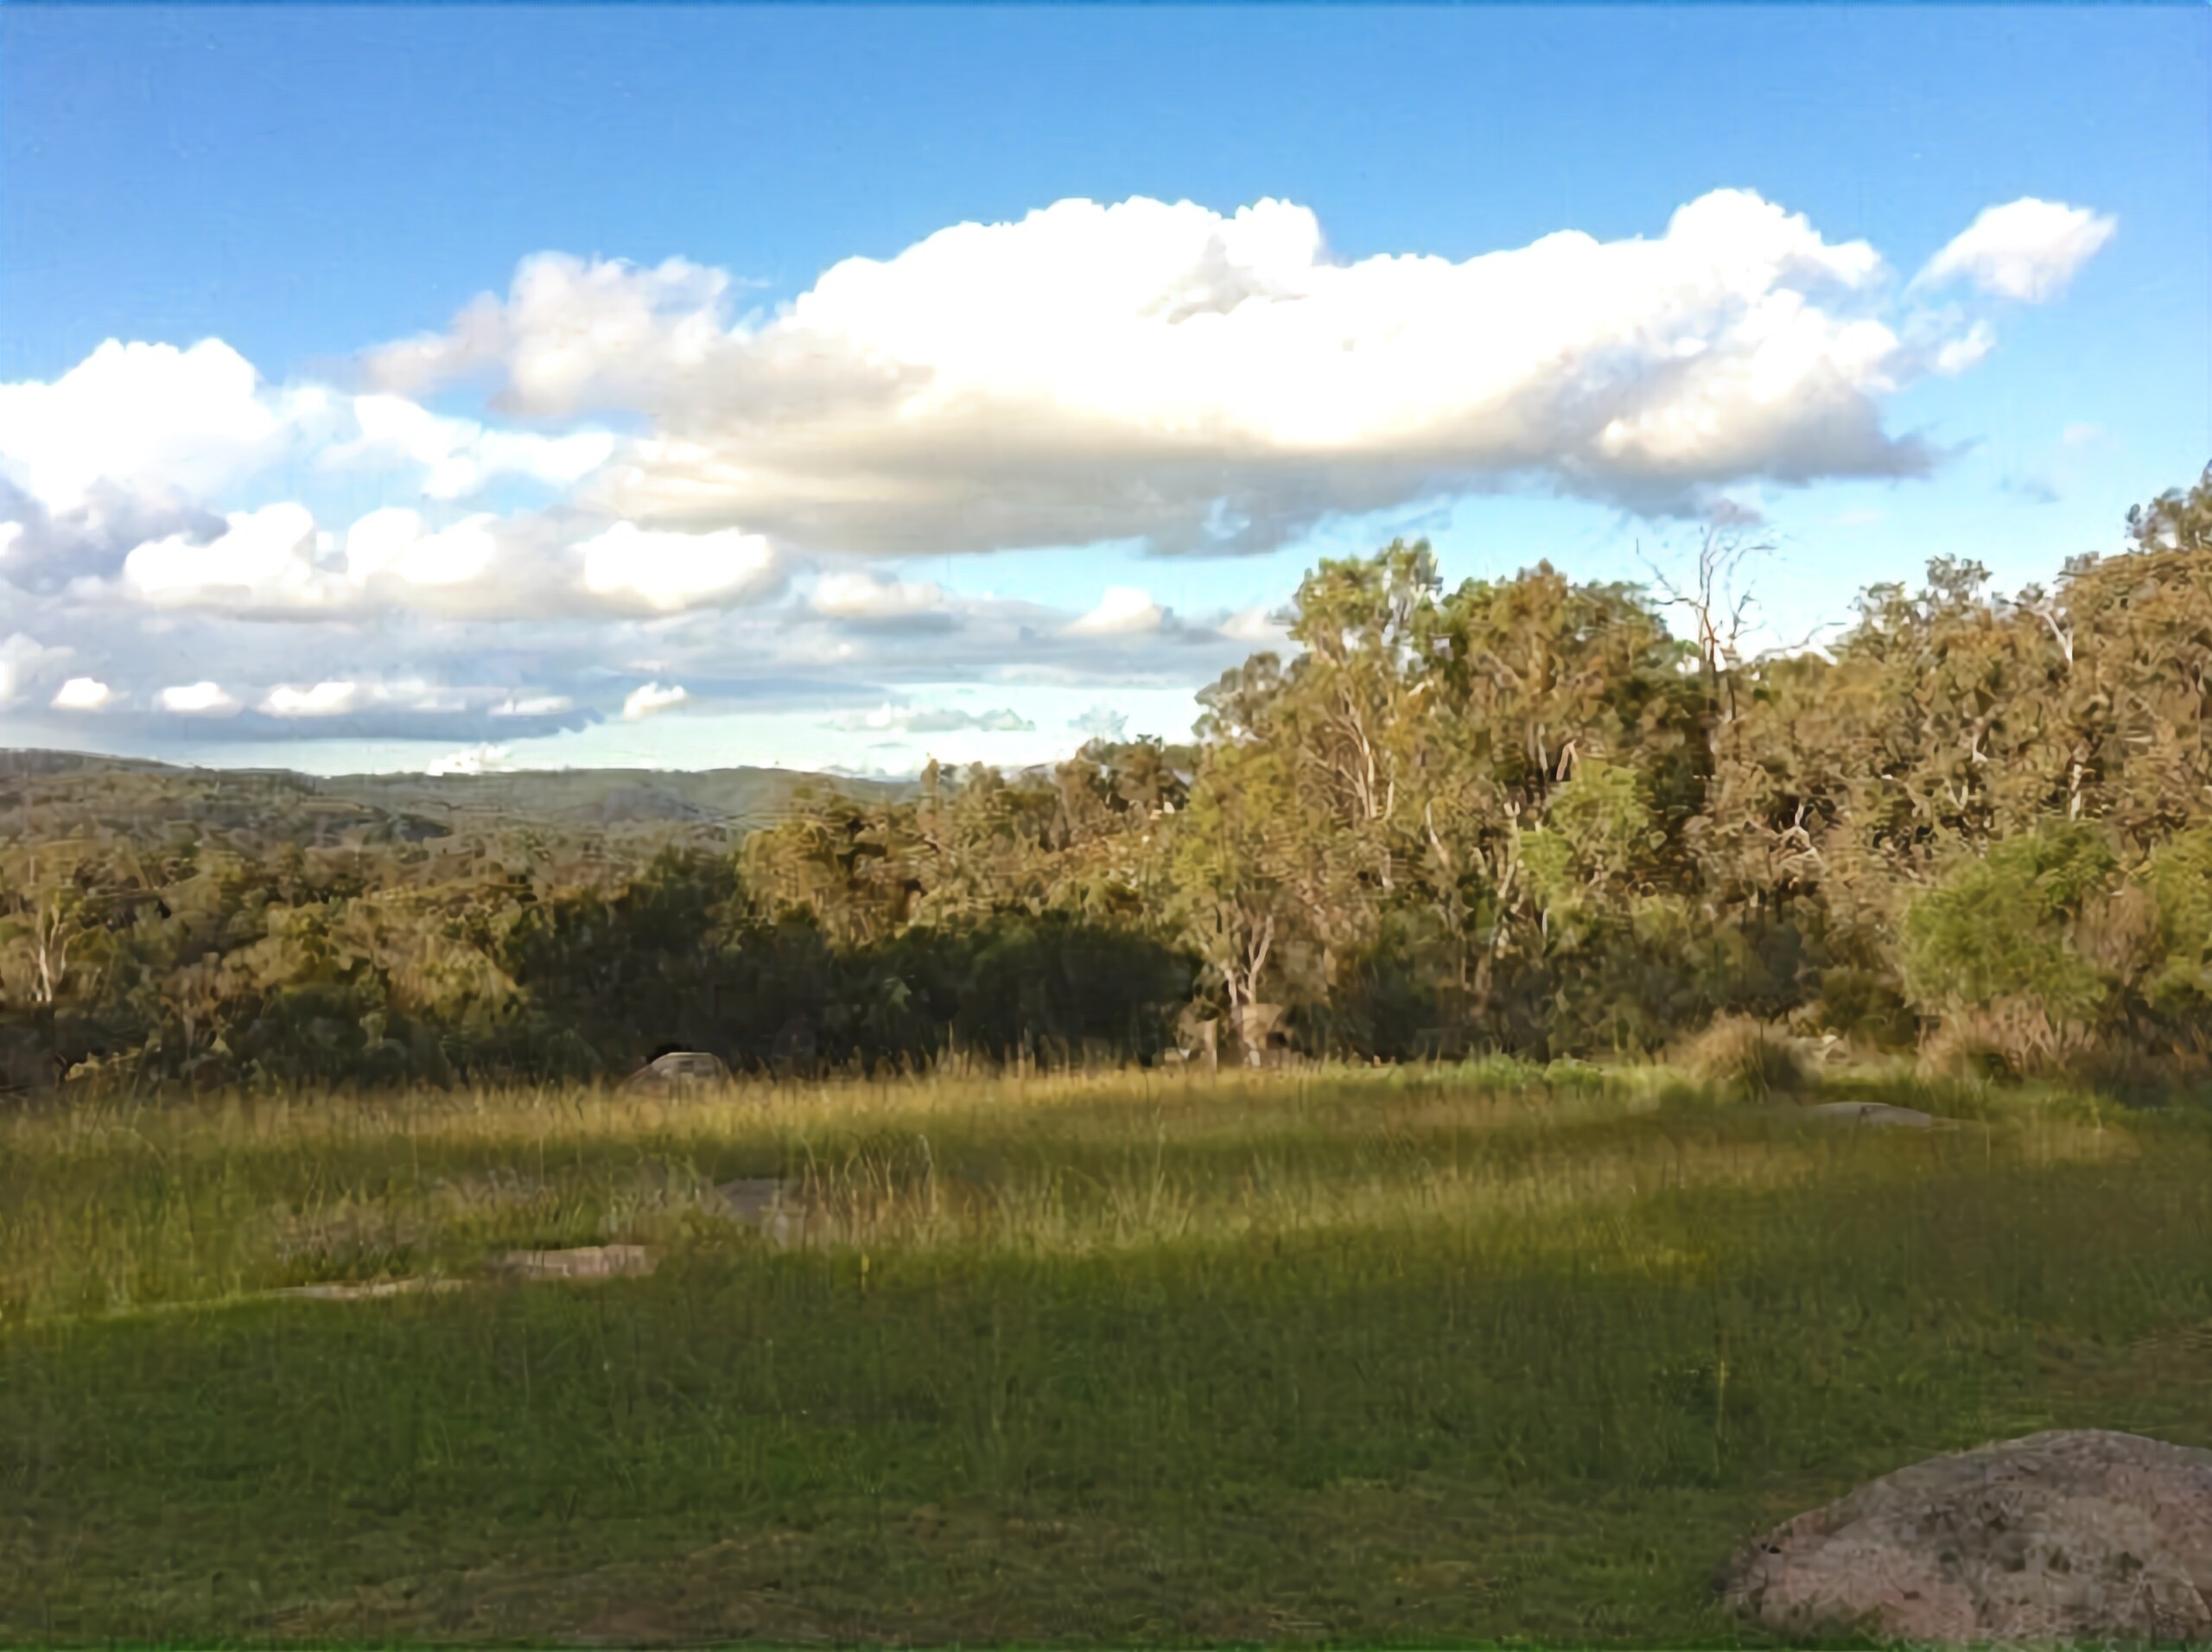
(1209, 382)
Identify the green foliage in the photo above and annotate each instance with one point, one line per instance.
(2179, 878)
(1595, 847)
(2000, 927)
(1514, 816)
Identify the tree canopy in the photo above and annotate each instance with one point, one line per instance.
(1520, 814)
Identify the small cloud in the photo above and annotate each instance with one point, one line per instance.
(936, 720)
(323, 699)
(21, 657)
(1001, 721)
(668, 571)
(861, 598)
(1255, 624)
(1730, 511)
(2027, 249)
(543, 705)
(1958, 354)
(1100, 722)
(474, 760)
(197, 700)
(82, 693)
(2080, 436)
(2032, 489)
(652, 697)
(1123, 611)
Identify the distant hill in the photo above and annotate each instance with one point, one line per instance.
(741, 796)
(47, 794)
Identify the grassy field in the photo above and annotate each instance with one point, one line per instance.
(1437, 1356)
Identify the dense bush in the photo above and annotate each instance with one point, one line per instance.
(1518, 816)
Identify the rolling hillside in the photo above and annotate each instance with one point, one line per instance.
(45, 795)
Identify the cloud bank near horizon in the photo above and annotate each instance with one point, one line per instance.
(658, 507)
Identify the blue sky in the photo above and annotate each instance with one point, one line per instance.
(834, 578)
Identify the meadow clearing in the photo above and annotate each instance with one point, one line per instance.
(1435, 1356)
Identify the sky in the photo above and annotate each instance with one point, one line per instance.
(508, 387)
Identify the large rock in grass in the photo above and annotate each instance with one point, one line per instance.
(678, 1070)
(2082, 1534)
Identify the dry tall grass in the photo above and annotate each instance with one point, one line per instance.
(115, 1207)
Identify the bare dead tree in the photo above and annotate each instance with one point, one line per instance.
(1719, 603)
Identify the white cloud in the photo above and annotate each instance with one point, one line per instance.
(329, 699)
(148, 416)
(937, 720)
(542, 705)
(1161, 375)
(264, 558)
(274, 563)
(571, 332)
(2026, 249)
(474, 760)
(1955, 356)
(644, 701)
(1199, 380)
(395, 541)
(669, 571)
(2080, 436)
(460, 455)
(1259, 624)
(82, 693)
(1123, 609)
(21, 659)
(197, 699)
(1100, 722)
(864, 598)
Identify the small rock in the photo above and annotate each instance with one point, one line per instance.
(2082, 1535)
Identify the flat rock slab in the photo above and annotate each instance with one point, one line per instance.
(366, 1290)
(586, 1261)
(2070, 1536)
(1878, 1114)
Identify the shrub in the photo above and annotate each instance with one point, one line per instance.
(1996, 938)
(1746, 1056)
(2178, 880)
(2012, 1037)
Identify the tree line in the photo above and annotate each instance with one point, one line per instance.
(1524, 815)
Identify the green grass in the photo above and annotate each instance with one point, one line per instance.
(1433, 1357)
